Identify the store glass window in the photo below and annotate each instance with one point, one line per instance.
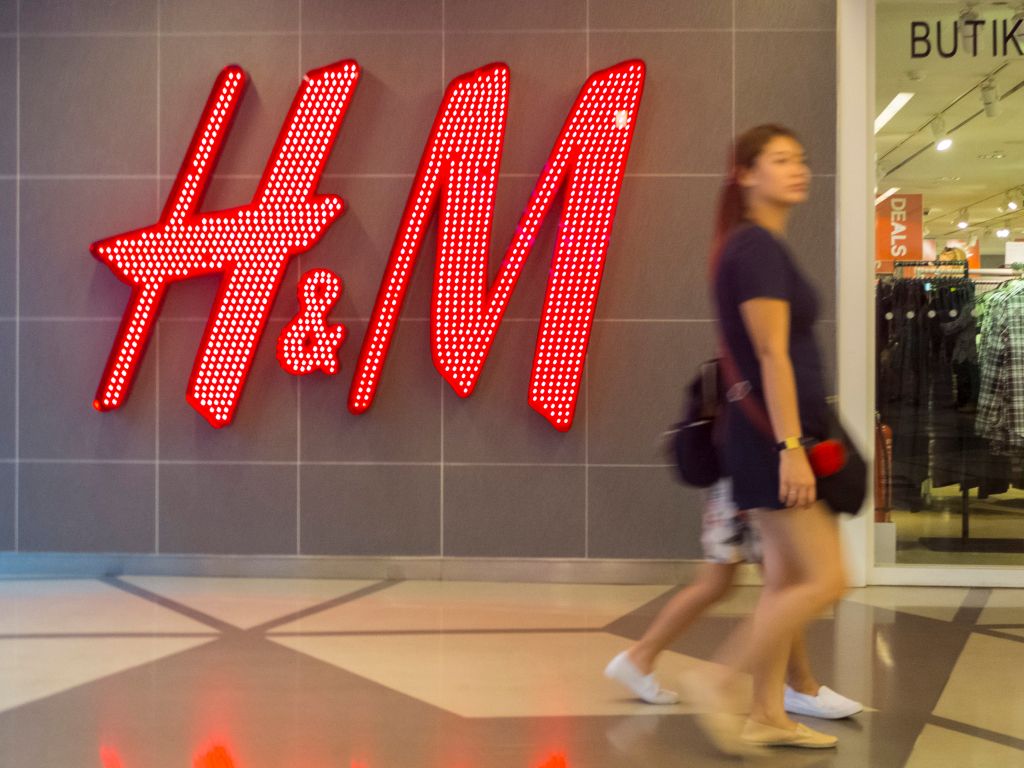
(949, 282)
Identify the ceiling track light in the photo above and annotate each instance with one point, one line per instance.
(942, 140)
(963, 220)
(968, 31)
(990, 97)
(1011, 201)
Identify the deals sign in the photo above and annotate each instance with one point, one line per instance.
(899, 231)
(251, 246)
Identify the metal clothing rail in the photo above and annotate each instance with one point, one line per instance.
(933, 264)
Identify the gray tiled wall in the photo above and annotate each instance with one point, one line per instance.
(100, 98)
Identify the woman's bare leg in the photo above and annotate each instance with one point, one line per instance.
(799, 675)
(803, 575)
(714, 580)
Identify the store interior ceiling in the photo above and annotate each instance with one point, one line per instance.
(985, 165)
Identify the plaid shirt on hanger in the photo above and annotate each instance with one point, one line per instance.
(1000, 415)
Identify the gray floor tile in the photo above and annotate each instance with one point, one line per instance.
(88, 92)
(86, 507)
(513, 511)
(366, 510)
(228, 509)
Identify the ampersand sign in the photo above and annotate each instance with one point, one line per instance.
(307, 344)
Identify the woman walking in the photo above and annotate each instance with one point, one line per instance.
(729, 538)
(766, 310)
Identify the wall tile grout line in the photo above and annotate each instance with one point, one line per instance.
(298, 381)
(441, 467)
(156, 462)
(586, 72)
(383, 31)
(733, 77)
(17, 279)
(313, 463)
(156, 408)
(586, 385)
(345, 318)
(332, 176)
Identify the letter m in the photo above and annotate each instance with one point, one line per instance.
(458, 178)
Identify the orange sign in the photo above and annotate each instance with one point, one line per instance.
(898, 231)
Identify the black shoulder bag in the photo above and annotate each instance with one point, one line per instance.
(839, 467)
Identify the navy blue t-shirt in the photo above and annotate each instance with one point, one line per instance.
(754, 263)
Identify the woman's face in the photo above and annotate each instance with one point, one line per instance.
(780, 175)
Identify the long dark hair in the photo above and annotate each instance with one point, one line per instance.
(732, 203)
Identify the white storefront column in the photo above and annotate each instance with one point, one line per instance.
(855, 70)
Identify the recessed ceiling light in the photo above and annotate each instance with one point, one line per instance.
(898, 102)
(997, 155)
(886, 195)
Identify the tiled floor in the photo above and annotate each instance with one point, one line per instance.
(258, 673)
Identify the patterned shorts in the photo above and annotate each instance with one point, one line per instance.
(728, 535)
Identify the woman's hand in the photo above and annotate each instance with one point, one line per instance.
(797, 485)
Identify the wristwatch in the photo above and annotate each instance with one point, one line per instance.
(790, 443)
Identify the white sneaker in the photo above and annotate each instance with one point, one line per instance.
(623, 670)
(827, 705)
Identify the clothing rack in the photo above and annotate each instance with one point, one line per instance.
(965, 499)
(993, 278)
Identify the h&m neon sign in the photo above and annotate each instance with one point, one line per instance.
(251, 246)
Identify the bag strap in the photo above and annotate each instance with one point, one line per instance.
(752, 406)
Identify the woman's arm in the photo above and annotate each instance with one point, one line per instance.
(767, 324)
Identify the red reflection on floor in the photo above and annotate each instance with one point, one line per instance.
(217, 757)
(109, 758)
